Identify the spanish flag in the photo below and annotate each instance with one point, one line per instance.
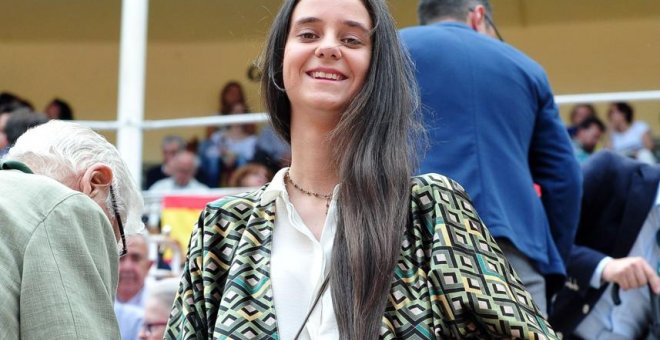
(179, 214)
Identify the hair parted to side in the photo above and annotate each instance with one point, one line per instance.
(374, 157)
(60, 149)
(429, 11)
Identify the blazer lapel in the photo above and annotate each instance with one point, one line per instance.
(640, 199)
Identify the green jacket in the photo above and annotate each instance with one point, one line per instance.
(58, 262)
(452, 280)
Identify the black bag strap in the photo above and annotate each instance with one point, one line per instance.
(654, 328)
(323, 288)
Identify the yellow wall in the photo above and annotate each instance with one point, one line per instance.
(185, 75)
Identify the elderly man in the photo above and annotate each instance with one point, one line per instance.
(494, 127)
(170, 146)
(66, 199)
(133, 270)
(183, 167)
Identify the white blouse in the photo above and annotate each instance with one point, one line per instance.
(299, 263)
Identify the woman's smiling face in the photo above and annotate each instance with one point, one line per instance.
(327, 53)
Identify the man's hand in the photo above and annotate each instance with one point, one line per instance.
(630, 273)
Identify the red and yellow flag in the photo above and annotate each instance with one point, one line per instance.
(180, 213)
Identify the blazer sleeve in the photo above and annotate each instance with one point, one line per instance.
(556, 170)
(69, 275)
(478, 292)
(598, 182)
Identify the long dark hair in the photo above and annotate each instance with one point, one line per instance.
(373, 156)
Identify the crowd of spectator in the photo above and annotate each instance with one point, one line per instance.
(622, 134)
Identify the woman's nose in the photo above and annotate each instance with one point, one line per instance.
(328, 51)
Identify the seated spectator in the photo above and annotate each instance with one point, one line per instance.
(132, 287)
(579, 113)
(158, 307)
(20, 121)
(10, 102)
(616, 243)
(586, 137)
(628, 137)
(250, 175)
(59, 109)
(130, 319)
(231, 95)
(183, 167)
(272, 151)
(227, 149)
(170, 146)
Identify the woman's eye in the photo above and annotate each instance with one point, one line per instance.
(351, 42)
(307, 36)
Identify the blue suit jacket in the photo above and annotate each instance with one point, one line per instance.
(618, 196)
(494, 127)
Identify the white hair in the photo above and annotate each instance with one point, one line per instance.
(164, 291)
(61, 150)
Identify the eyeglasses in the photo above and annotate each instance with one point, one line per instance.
(149, 327)
(490, 23)
(123, 249)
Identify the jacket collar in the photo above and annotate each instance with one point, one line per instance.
(14, 165)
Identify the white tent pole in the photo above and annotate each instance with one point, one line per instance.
(132, 60)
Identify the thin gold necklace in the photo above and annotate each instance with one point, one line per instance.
(326, 197)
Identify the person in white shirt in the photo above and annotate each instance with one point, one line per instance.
(627, 136)
(344, 244)
(183, 167)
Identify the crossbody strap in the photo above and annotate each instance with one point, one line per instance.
(323, 288)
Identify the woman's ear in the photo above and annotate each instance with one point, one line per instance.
(96, 179)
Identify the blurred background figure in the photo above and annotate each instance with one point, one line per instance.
(170, 146)
(586, 137)
(59, 109)
(229, 147)
(579, 113)
(272, 150)
(10, 102)
(250, 175)
(616, 242)
(183, 168)
(133, 270)
(20, 121)
(157, 309)
(232, 98)
(627, 136)
(232, 94)
(132, 288)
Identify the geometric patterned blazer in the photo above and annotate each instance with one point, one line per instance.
(451, 280)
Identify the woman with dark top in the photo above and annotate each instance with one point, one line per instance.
(344, 244)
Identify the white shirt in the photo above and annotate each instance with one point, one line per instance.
(630, 140)
(627, 319)
(168, 185)
(299, 263)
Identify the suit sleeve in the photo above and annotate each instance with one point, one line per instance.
(70, 274)
(556, 170)
(597, 186)
(480, 295)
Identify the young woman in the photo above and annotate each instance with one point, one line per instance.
(339, 245)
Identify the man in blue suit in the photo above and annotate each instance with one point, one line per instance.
(494, 127)
(616, 242)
